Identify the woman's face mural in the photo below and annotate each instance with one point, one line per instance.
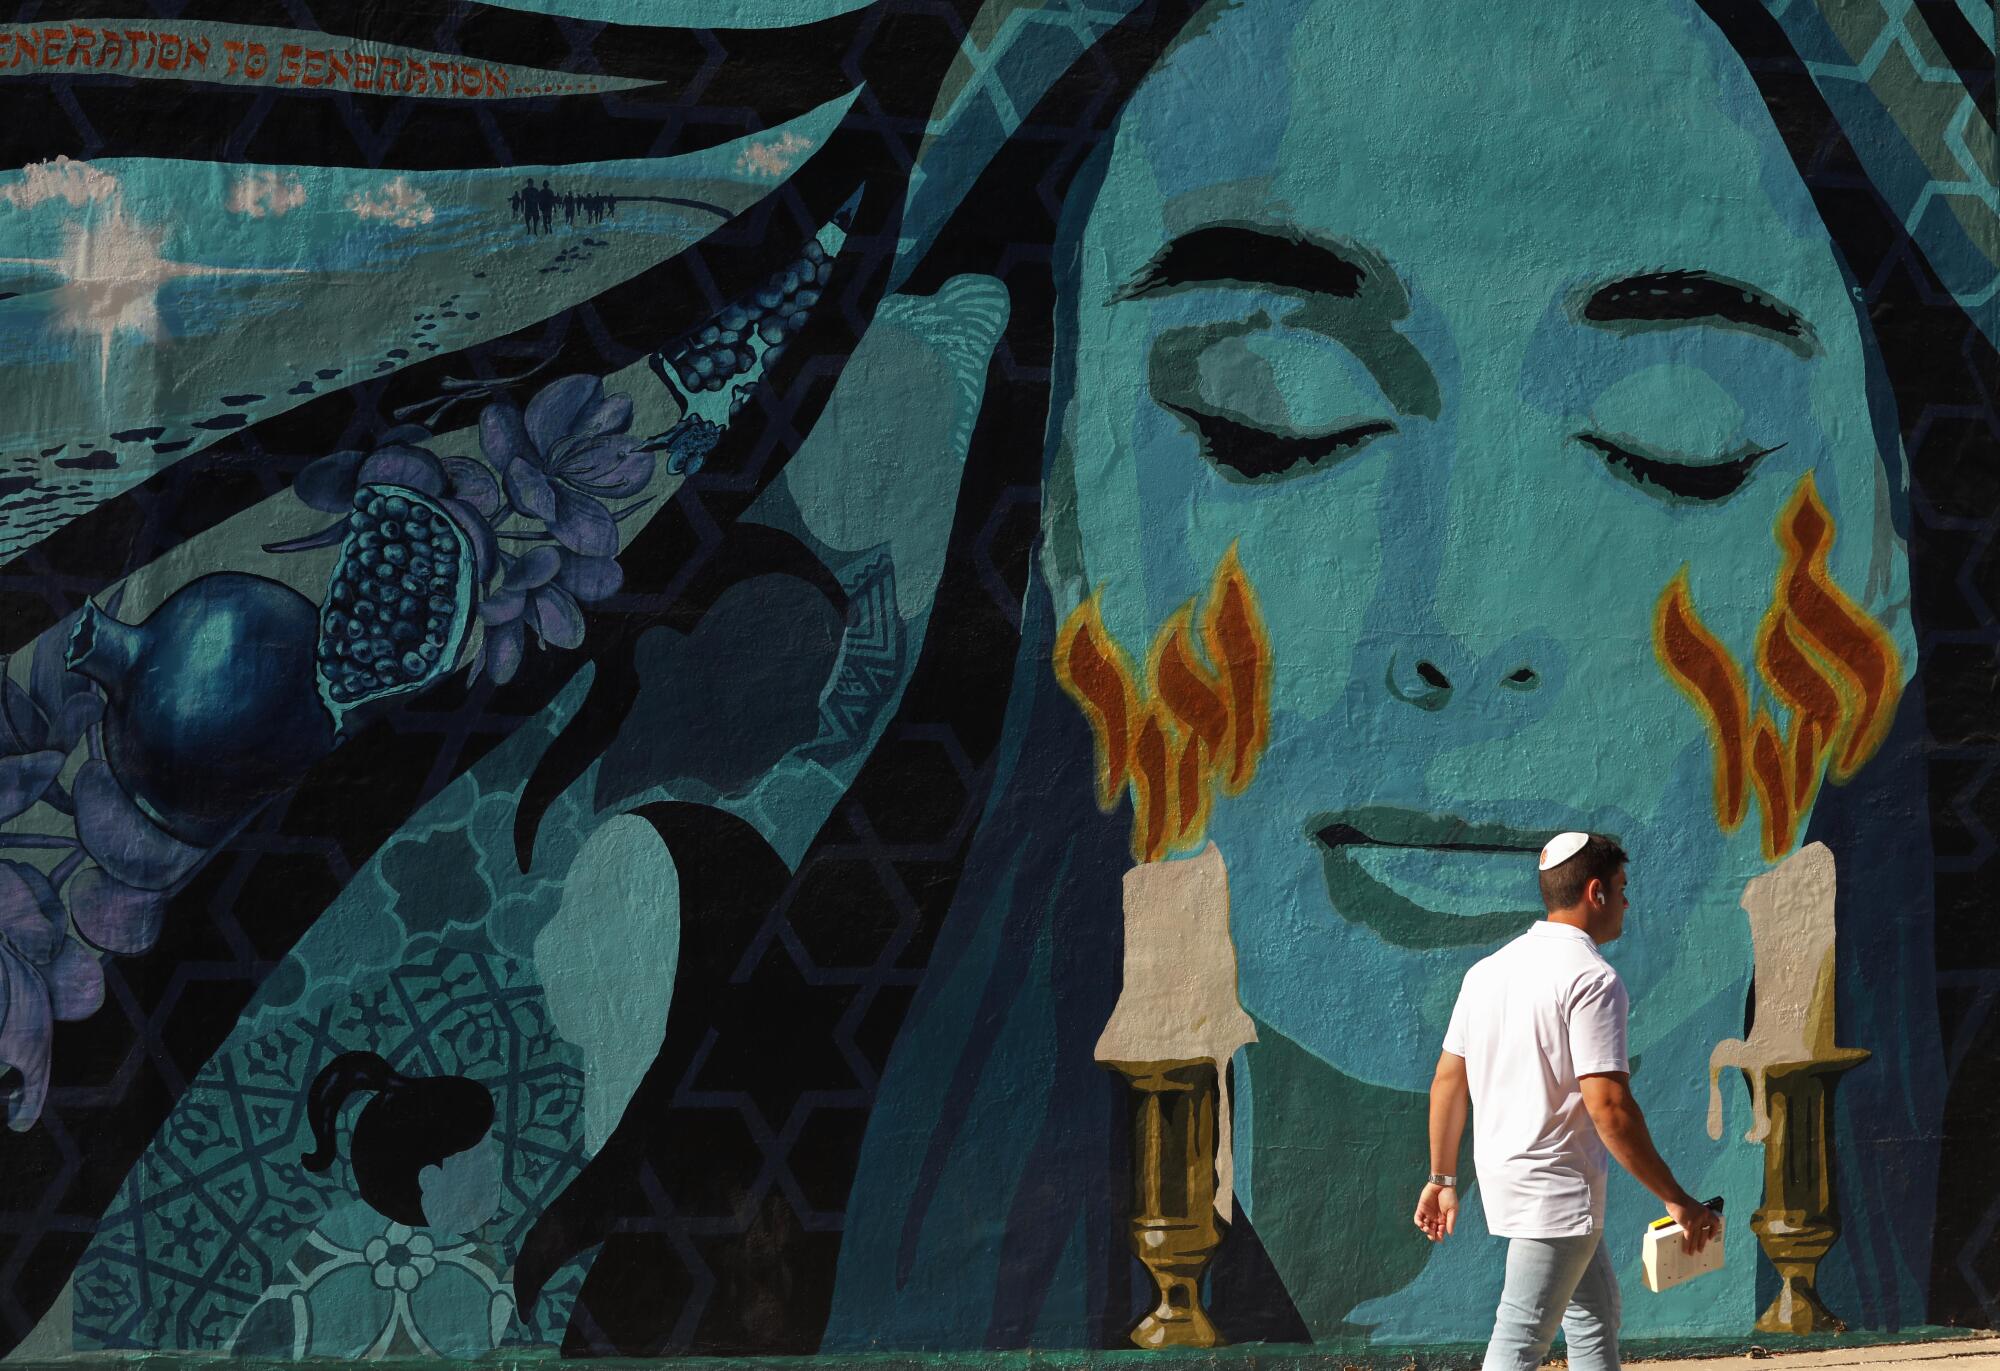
(1450, 424)
(1468, 395)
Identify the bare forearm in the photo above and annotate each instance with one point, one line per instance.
(1448, 1111)
(1626, 1136)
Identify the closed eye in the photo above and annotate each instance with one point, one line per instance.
(1678, 479)
(1254, 454)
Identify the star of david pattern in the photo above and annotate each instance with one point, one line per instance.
(218, 1207)
(206, 1224)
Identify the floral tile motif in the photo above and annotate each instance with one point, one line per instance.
(235, 1244)
(361, 1286)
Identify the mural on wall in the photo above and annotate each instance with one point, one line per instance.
(634, 654)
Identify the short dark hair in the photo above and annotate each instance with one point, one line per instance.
(1597, 860)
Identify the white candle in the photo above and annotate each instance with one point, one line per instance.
(1791, 942)
(1179, 1000)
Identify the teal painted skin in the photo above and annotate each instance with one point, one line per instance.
(1472, 529)
(1456, 515)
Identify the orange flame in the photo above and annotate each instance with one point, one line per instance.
(1710, 678)
(1827, 662)
(1856, 651)
(1200, 724)
(1094, 673)
(1233, 631)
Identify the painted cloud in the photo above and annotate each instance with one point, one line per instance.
(60, 178)
(398, 202)
(262, 193)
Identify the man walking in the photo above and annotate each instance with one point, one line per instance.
(1536, 1045)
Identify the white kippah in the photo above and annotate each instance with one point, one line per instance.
(1562, 847)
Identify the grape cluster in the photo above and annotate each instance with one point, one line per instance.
(399, 607)
(720, 350)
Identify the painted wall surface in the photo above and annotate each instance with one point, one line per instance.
(664, 660)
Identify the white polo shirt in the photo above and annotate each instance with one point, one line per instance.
(1530, 1019)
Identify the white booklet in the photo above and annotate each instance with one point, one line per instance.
(1667, 1265)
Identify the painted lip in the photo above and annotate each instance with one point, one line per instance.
(1360, 898)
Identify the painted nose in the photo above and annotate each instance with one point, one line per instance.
(1430, 681)
(1420, 681)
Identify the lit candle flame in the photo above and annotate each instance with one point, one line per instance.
(1198, 726)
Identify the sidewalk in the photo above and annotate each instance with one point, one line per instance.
(1980, 1351)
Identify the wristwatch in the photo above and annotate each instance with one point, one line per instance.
(1448, 1182)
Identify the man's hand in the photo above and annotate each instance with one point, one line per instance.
(1451, 1098)
(1437, 1211)
(1698, 1222)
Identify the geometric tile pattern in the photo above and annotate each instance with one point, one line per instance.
(361, 1286)
(1002, 69)
(600, 335)
(217, 1194)
(870, 665)
(120, 1071)
(848, 938)
(1900, 159)
(206, 1223)
(1912, 85)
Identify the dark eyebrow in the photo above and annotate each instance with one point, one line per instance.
(1245, 255)
(1674, 299)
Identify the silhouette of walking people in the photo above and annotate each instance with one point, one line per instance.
(537, 206)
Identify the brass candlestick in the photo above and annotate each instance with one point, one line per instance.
(1175, 1229)
(1176, 1024)
(1798, 1222)
(1791, 1061)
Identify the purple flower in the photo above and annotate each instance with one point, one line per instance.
(464, 488)
(44, 976)
(590, 578)
(28, 766)
(122, 839)
(563, 458)
(68, 701)
(112, 915)
(41, 724)
(528, 595)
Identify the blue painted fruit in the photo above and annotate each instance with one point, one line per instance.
(210, 703)
(710, 357)
(400, 606)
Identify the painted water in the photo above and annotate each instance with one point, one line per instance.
(149, 308)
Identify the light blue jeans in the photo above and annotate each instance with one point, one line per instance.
(1550, 1281)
